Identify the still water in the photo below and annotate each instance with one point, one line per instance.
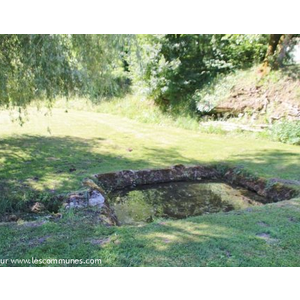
(179, 200)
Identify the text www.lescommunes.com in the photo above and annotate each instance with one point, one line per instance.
(50, 261)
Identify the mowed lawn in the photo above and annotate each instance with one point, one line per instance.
(54, 153)
(42, 152)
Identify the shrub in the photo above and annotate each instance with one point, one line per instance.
(286, 132)
(173, 67)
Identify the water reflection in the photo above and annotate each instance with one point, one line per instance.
(179, 200)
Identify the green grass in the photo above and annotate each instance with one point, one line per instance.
(266, 236)
(93, 143)
(40, 154)
(134, 107)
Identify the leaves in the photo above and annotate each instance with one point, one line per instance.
(174, 66)
(46, 66)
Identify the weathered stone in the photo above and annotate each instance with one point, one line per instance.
(12, 218)
(76, 200)
(92, 185)
(127, 178)
(96, 199)
(38, 207)
(130, 178)
(273, 192)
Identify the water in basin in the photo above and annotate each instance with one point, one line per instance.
(179, 200)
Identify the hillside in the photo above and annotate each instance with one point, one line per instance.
(254, 97)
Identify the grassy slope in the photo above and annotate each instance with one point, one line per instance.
(94, 143)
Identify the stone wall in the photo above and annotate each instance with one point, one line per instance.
(131, 178)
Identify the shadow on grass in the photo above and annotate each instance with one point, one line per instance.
(58, 164)
(222, 239)
(270, 163)
(258, 237)
(232, 239)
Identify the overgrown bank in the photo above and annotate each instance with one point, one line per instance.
(244, 101)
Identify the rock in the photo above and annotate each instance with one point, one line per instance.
(285, 181)
(76, 200)
(80, 200)
(56, 216)
(12, 218)
(92, 185)
(38, 207)
(105, 220)
(272, 192)
(96, 198)
(129, 178)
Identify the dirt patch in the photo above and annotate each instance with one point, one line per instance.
(277, 100)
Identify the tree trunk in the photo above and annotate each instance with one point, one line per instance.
(282, 48)
(273, 43)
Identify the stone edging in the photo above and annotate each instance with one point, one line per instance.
(273, 192)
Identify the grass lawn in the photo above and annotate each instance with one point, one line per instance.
(78, 144)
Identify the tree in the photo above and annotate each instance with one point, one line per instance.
(277, 50)
(45, 66)
(35, 66)
(173, 66)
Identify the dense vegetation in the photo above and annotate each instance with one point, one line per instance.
(174, 67)
(287, 132)
(171, 68)
(46, 66)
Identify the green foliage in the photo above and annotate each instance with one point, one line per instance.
(168, 68)
(22, 200)
(100, 63)
(286, 132)
(172, 67)
(213, 129)
(46, 66)
(35, 66)
(212, 93)
(241, 50)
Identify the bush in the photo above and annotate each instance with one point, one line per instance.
(173, 68)
(286, 132)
